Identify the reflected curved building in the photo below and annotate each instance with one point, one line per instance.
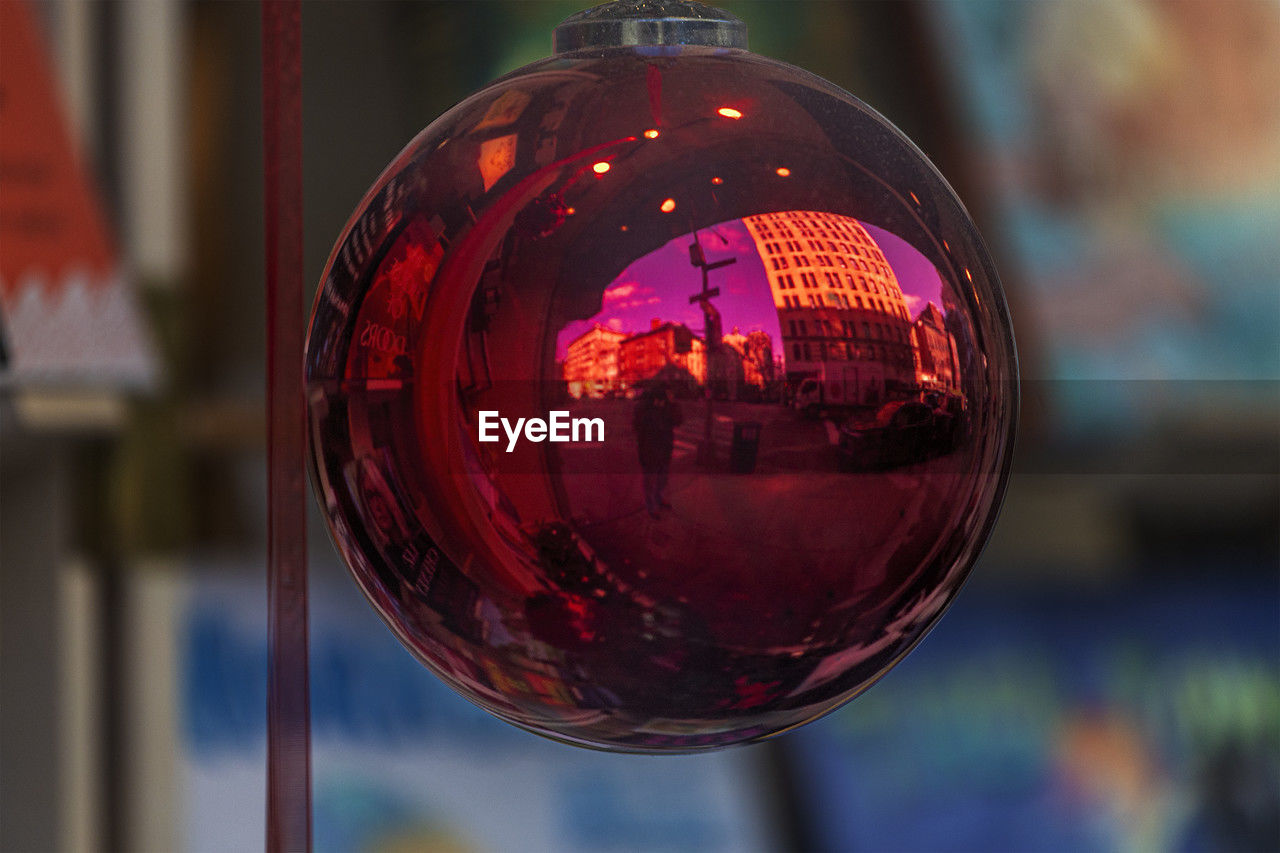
(840, 307)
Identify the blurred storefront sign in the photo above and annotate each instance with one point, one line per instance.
(1132, 154)
(1124, 719)
(402, 762)
(69, 317)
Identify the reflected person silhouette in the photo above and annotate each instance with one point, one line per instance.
(655, 420)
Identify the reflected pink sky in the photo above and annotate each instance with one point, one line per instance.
(658, 285)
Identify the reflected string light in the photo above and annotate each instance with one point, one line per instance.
(783, 172)
(651, 133)
(730, 112)
(717, 181)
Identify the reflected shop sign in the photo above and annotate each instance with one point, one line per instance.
(402, 762)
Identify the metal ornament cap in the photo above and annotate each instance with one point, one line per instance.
(635, 23)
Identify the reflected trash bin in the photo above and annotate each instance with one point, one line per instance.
(745, 448)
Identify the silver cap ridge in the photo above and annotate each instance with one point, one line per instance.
(631, 23)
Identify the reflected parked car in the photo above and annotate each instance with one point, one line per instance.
(899, 433)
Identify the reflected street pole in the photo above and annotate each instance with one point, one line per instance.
(711, 333)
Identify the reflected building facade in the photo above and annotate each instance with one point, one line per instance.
(591, 363)
(937, 364)
(756, 350)
(603, 362)
(840, 308)
(668, 351)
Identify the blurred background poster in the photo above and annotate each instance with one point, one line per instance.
(1131, 157)
(1063, 720)
(1109, 680)
(400, 762)
(69, 319)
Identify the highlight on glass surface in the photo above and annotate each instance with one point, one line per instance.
(695, 465)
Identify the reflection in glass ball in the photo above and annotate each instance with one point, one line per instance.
(661, 399)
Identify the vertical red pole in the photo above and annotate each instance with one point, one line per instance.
(288, 709)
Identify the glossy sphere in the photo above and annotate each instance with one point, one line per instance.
(785, 378)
